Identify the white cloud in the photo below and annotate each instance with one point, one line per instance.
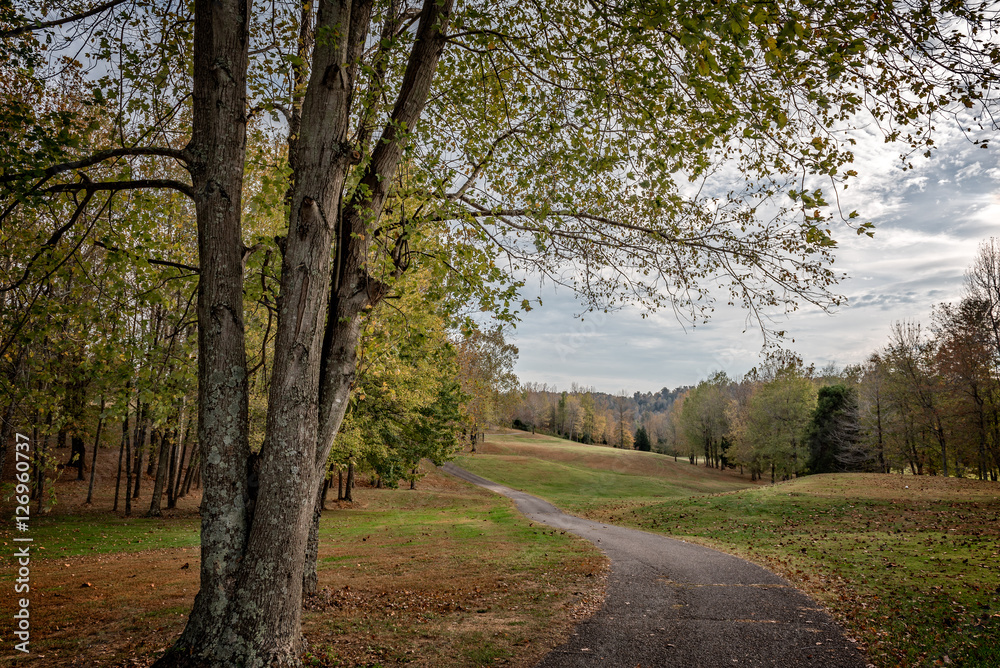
(929, 222)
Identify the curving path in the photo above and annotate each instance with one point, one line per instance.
(671, 603)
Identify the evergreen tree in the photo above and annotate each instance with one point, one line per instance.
(642, 440)
(832, 433)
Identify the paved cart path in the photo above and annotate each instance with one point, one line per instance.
(671, 603)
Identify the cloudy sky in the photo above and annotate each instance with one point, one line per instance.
(929, 221)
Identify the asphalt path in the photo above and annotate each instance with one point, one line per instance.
(672, 603)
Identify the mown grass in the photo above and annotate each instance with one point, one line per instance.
(62, 535)
(584, 478)
(451, 576)
(909, 565)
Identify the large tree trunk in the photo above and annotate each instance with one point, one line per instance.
(249, 608)
(216, 156)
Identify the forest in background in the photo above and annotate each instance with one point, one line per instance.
(98, 348)
(926, 402)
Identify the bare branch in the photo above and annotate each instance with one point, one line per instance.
(53, 240)
(31, 27)
(151, 260)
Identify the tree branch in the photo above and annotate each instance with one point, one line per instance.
(14, 32)
(162, 263)
(116, 186)
(101, 156)
(53, 240)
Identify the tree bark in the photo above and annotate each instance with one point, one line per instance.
(216, 153)
(161, 472)
(310, 578)
(93, 461)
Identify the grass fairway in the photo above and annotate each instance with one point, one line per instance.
(585, 478)
(909, 565)
(446, 575)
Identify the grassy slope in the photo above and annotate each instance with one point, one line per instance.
(910, 565)
(584, 478)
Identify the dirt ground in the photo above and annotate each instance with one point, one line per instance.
(381, 604)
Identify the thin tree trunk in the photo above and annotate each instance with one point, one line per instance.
(40, 448)
(349, 487)
(161, 471)
(326, 488)
(121, 455)
(340, 484)
(172, 475)
(154, 447)
(128, 475)
(183, 447)
(939, 430)
(6, 429)
(142, 429)
(93, 461)
(193, 464)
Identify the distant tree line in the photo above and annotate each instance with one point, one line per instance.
(927, 402)
(585, 415)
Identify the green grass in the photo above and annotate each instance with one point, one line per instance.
(580, 478)
(915, 579)
(425, 521)
(81, 535)
(911, 566)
